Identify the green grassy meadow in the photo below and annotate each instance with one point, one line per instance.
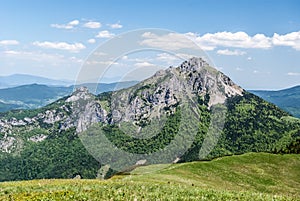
(253, 176)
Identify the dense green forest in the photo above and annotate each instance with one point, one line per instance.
(252, 125)
(61, 156)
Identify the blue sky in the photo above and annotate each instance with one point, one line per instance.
(255, 42)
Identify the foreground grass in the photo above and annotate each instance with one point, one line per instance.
(258, 172)
(245, 177)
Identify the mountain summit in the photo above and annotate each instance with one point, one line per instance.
(204, 79)
(44, 143)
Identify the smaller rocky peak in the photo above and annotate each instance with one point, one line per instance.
(81, 93)
(82, 89)
(192, 65)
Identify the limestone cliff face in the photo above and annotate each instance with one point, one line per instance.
(80, 110)
(86, 110)
(165, 90)
(150, 99)
(203, 79)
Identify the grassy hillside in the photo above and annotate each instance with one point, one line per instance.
(251, 176)
(259, 172)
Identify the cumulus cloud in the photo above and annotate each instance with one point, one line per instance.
(174, 41)
(115, 26)
(290, 39)
(99, 53)
(231, 53)
(293, 74)
(106, 63)
(144, 64)
(91, 41)
(11, 52)
(39, 57)
(69, 25)
(9, 42)
(211, 41)
(228, 39)
(105, 34)
(76, 47)
(92, 25)
(171, 41)
(171, 59)
(165, 57)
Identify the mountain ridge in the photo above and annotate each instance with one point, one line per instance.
(250, 125)
(15, 80)
(36, 95)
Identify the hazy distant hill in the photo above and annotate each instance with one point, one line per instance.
(22, 79)
(286, 99)
(35, 95)
(31, 96)
(6, 107)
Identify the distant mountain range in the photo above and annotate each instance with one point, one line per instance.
(286, 99)
(23, 79)
(36, 95)
(22, 91)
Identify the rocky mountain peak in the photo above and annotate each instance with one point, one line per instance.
(203, 79)
(81, 93)
(193, 64)
(164, 91)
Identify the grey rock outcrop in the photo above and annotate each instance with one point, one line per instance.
(152, 99)
(162, 92)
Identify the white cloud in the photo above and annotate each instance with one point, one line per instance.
(171, 59)
(74, 22)
(290, 39)
(231, 53)
(11, 52)
(293, 74)
(92, 25)
(39, 57)
(228, 39)
(106, 63)
(243, 40)
(249, 58)
(174, 41)
(69, 25)
(211, 41)
(165, 57)
(104, 34)
(76, 47)
(9, 42)
(91, 41)
(171, 41)
(115, 26)
(239, 69)
(144, 64)
(99, 53)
